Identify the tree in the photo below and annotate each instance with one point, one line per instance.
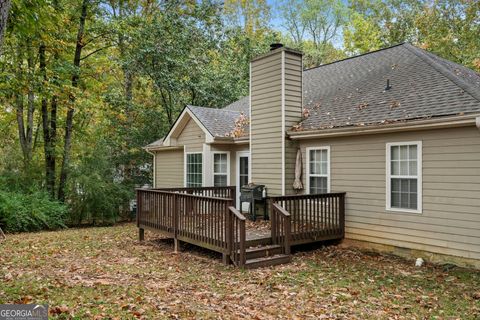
(71, 108)
(252, 16)
(451, 29)
(292, 16)
(313, 26)
(4, 9)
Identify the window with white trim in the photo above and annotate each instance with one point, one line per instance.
(318, 170)
(404, 172)
(220, 169)
(194, 167)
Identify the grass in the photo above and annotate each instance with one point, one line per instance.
(105, 273)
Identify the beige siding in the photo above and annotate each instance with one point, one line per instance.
(293, 112)
(450, 222)
(266, 119)
(169, 169)
(192, 137)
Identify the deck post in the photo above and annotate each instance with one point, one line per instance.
(225, 259)
(175, 211)
(342, 214)
(176, 244)
(228, 236)
(141, 234)
(273, 221)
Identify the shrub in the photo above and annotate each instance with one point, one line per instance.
(30, 211)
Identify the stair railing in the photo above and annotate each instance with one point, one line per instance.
(236, 236)
(281, 227)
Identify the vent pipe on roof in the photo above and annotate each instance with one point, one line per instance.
(388, 87)
(274, 46)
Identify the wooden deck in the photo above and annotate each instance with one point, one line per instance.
(207, 217)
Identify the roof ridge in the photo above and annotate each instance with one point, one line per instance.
(425, 56)
(213, 108)
(356, 56)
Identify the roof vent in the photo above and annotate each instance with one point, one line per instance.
(388, 87)
(274, 46)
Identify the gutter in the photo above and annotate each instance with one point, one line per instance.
(229, 140)
(436, 123)
(150, 150)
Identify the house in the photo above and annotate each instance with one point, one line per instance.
(396, 129)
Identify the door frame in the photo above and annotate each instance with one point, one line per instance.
(237, 173)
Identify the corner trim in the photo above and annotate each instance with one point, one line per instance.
(283, 122)
(251, 124)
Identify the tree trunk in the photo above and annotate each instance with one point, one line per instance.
(49, 128)
(71, 109)
(4, 9)
(25, 133)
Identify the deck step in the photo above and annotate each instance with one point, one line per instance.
(267, 261)
(263, 251)
(259, 242)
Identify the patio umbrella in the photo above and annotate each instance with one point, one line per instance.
(297, 184)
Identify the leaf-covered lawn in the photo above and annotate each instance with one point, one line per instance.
(106, 273)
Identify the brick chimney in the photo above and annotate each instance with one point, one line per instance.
(275, 106)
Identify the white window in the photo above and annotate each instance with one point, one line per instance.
(404, 176)
(221, 169)
(193, 170)
(318, 170)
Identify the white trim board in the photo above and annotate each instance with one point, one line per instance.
(307, 167)
(237, 172)
(181, 123)
(283, 121)
(185, 167)
(251, 125)
(213, 166)
(388, 167)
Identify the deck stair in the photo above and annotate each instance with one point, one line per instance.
(265, 256)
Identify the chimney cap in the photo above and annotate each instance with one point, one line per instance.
(276, 45)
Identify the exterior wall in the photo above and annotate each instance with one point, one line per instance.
(276, 99)
(293, 113)
(169, 169)
(192, 137)
(265, 122)
(450, 221)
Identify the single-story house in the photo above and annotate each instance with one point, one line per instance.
(396, 129)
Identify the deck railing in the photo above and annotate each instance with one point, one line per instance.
(228, 192)
(281, 227)
(313, 216)
(237, 237)
(193, 218)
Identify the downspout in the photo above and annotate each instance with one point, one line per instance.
(477, 122)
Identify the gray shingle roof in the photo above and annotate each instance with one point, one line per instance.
(351, 92)
(242, 105)
(219, 122)
(155, 144)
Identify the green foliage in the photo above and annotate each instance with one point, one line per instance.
(449, 28)
(34, 211)
(96, 194)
